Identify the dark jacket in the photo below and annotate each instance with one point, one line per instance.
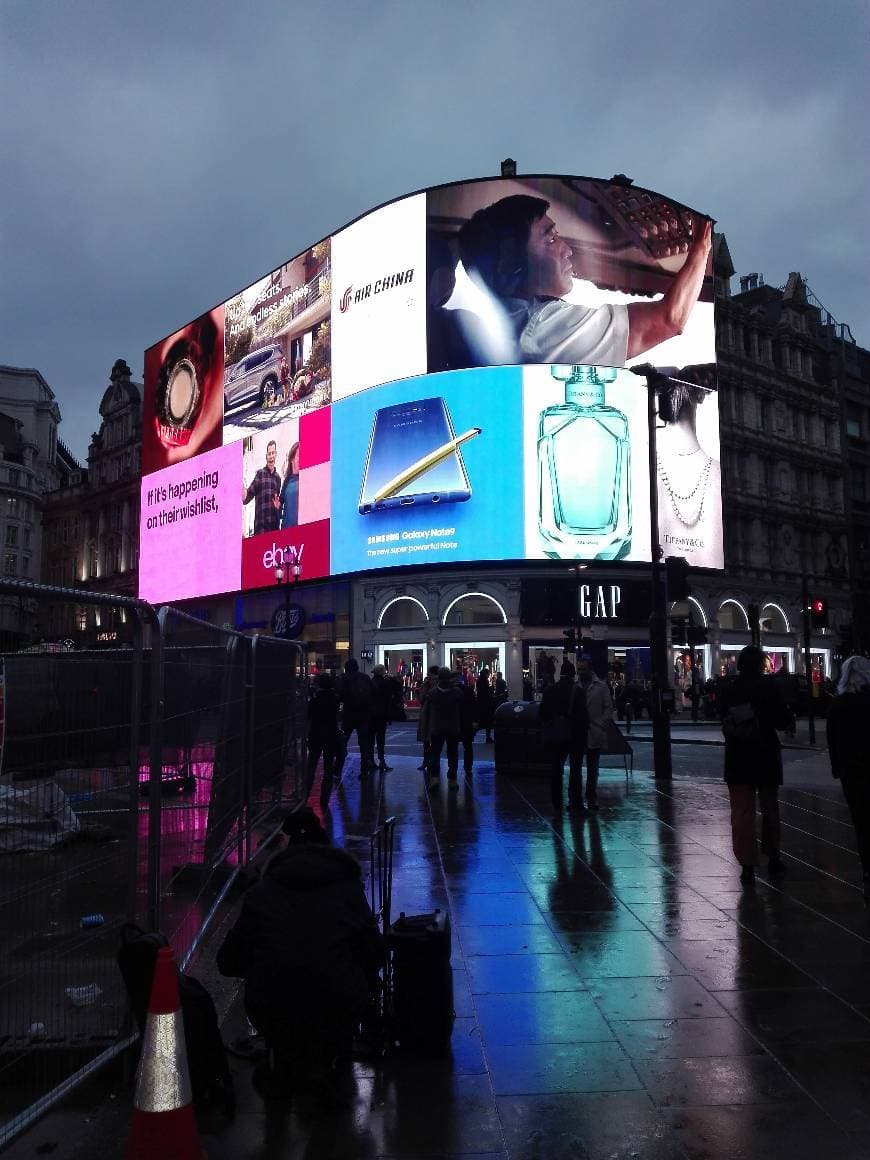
(761, 762)
(322, 717)
(443, 717)
(385, 692)
(485, 702)
(848, 716)
(306, 942)
(467, 709)
(556, 702)
(357, 695)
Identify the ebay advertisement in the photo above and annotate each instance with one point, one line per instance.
(189, 527)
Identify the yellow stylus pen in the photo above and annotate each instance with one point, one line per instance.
(398, 482)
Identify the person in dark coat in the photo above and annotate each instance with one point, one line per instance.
(485, 704)
(356, 695)
(467, 720)
(566, 700)
(309, 949)
(323, 733)
(848, 716)
(385, 691)
(426, 685)
(753, 761)
(443, 728)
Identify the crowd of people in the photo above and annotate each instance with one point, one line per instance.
(452, 712)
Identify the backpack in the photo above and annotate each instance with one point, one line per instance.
(740, 726)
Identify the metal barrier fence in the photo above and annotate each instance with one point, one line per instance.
(134, 784)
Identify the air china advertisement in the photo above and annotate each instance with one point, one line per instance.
(447, 379)
(379, 297)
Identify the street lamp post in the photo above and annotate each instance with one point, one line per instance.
(283, 574)
(658, 621)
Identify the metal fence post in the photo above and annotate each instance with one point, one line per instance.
(135, 738)
(155, 766)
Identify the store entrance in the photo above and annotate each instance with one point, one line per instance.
(472, 659)
(407, 662)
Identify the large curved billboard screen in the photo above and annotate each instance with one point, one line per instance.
(446, 379)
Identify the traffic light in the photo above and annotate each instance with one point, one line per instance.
(677, 573)
(818, 613)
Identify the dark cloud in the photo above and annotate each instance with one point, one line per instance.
(160, 157)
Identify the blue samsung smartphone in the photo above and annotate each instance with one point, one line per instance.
(402, 436)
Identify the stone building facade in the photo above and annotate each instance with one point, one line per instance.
(91, 532)
(32, 463)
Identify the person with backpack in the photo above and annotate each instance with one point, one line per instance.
(752, 711)
(847, 748)
(357, 698)
(309, 949)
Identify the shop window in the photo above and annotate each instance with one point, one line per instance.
(475, 608)
(732, 616)
(403, 612)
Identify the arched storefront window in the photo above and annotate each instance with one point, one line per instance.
(733, 616)
(773, 619)
(474, 608)
(403, 612)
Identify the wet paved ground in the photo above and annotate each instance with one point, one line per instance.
(617, 994)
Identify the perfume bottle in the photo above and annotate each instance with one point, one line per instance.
(584, 468)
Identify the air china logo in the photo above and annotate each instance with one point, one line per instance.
(389, 282)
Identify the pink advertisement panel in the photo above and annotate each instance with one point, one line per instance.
(189, 527)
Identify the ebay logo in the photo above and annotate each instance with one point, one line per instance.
(276, 557)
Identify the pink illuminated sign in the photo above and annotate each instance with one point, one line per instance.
(189, 527)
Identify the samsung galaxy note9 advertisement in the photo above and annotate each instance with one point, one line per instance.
(427, 473)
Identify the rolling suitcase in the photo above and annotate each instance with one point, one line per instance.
(422, 982)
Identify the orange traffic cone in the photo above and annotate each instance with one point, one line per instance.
(163, 1124)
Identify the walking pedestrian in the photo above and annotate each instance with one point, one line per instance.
(323, 734)
(564, 721)
(599, 710)
(848, 715)
(443, 724)
(355, 692)
(752, 711)
(467, 718)
(426, 685)
(485, 705)
(385, 691)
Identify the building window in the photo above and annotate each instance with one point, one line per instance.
(14, 476)
(12, 507)
(853, 428)
(25, 565)
(11, 536)
(10, 564)
(27, 537)
(81, 618)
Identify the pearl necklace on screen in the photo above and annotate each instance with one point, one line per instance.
(698, 494)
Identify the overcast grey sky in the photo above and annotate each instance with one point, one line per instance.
(155, 158)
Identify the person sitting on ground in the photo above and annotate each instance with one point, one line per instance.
(309, 949)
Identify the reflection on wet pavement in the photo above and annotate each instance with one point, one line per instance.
(617, 994)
